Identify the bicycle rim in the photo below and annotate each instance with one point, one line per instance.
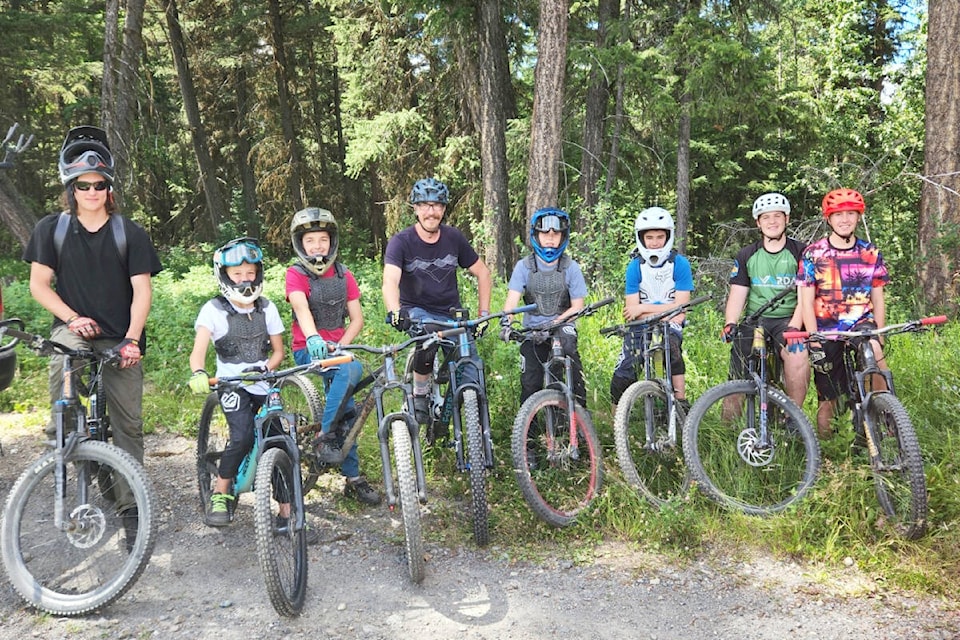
(476, 467)
(898, 466)
(302, 399)
(213, 434)
(282, 552)
(733, 465)
(94, 559)
(409, 501)
(653, 465)
(557, 478)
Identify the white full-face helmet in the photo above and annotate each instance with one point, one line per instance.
(650, 219)
(232, 254)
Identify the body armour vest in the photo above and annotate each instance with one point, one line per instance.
(656, 283)
(548, 289)
(246, 339)
(328, 298)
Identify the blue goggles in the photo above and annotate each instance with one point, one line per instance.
(237, 254)
(552, 223)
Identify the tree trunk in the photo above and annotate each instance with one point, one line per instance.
(248, 180)
(14, 212)
(283, 74)
(683, 174)
(546, 136)
(494, 84)
(598, 94)
(216, 206)
(940, 197)
(618, 109)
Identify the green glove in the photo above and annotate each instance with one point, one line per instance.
(200, 382)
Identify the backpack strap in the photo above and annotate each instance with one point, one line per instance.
(116, 226)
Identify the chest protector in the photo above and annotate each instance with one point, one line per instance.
(246, 340)
(328, 298)
(656, 283)
(548, 289)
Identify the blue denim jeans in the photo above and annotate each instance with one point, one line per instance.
(339, 384)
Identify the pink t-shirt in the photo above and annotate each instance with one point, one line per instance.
(297, 281)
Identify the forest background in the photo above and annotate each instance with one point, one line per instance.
(226, 116)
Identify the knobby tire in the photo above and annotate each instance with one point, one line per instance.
(409, 500)
(213, 433)
(301, 398)
(470, 412)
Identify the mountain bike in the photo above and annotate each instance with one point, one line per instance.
(458, 391)
(748, 446)
(399, 426)
(648, 421)
(881, 424)
(555, 449)
(272, 471)
(68, 546)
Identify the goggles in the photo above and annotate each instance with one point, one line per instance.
(552, 223)
(237, 254)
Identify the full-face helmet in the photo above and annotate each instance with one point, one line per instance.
(314, 219)
(233, 254)
(85, 150)
(843, 200)
(770, 202)
(549, 219)
(650, 219)
(429, 190)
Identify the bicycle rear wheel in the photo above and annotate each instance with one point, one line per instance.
(301, 398)
(732, 465)
(97, 555)
(213, 434)
(897, 465)
(557, 478)
(476, 466)
(409, 500)
(652, 463)
(282, 552)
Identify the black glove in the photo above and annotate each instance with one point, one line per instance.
(399, 320)
(818, 360)
(505, 328)
(479, 330)
(729, 329)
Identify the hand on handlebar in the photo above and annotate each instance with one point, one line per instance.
(316, 347)
(819, 361)
(399, 320)
(794, 345)
(728, 331)
(200, 382)
(84, 327)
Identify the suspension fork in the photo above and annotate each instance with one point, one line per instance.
(568, 392)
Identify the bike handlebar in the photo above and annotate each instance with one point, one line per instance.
(269, 376)
(622, 329)
(913, 325)
(469, 324)
(46, 347)
(426, 338)
(547, 327)
(772, 303)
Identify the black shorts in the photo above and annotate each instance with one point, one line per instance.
(743, 344)
(834, 383)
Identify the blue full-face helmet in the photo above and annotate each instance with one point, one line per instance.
(549, 219)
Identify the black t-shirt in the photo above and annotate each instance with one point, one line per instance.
(91, 277)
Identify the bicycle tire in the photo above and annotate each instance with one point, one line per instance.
(556, 480)
(476, 466)
(301, 398)
(282, 552)
(728, 463)
(656, 469)
(73, 572)
(897, 465)
(409, 501)
(213, 434)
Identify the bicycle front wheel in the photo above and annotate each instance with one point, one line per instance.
(96, 554)
(651, 460)
(734, 464)
(301, 398)
(282, 552)
(213, 434)
(897, 465)
(476, 466)
(558, 468)
(409, 501)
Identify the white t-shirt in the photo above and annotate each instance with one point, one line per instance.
(215, 320)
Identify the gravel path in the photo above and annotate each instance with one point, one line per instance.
(205, 583)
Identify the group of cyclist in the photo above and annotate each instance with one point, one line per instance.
(92, 268)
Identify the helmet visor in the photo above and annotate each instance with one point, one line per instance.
(240, 253)
(552, 223)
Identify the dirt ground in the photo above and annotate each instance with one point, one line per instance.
(205, 583)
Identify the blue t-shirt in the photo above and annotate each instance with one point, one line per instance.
(664, 285)
(573, 276)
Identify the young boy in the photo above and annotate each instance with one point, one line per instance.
(247, 333)
(841, 280)
(555, 283)
(657, 279)
(322, 293)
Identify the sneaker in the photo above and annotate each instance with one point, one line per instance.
(219, 513)
(281, 525)
(131, 522)
(361, 490)
(327, 450)
(421, 409)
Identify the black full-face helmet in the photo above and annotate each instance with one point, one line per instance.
(85, 150)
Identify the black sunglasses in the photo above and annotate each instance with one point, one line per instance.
(85, 186)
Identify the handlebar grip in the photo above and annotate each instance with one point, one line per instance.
(699, 300)
(796, 335)
(335, 360)
(603, 303)
(933, 320)
(525, 308)
(608, 330)
(449, 333)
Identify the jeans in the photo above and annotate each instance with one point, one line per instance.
(338, 384)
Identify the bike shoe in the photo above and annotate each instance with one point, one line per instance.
(281, 525)
(421, 408)
(131, 522)
(361, 490)
(219, 512)
(326, 449)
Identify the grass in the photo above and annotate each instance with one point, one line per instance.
(838, 520)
